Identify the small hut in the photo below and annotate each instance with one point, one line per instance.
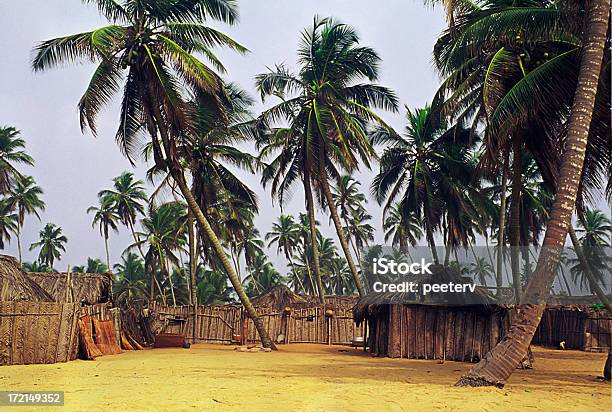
(84, 288)
(462, 327)
(280, 297)
(17, 286)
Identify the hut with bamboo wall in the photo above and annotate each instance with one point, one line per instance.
(82, 288)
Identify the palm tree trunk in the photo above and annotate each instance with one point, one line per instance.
(136, 240)
(107, 254)
(515, 215)
(567, 286)
(594, 283)
(177, 175)
(165, 270)
(19, 242)
(340, 230)
(497, 366)
(501, 239)
(313, 235)
(193, 267)
(429, 234)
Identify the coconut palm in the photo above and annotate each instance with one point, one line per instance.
(262, 275)
(12, 154)
(481, 270)
(52, 243)
(502, 360)
(24, 198)
(327, 109)
(402, 228)
(130, 289)
(161, 237)
(359, 231)
(212, 287)
(128, 195)
(595, 229)
(285, 234)
(9, 222)
(94, 265)
(148, 47)
(106, 217)
(36, 266)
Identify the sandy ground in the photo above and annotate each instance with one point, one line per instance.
(308, 378)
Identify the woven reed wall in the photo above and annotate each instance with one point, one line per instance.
(38, 332)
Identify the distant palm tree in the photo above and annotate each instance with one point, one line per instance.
(129, 197)
(94, 265)
(25, 199)
(481, 270)
(36, 266)
(52, 243)
(262, 276)
(285, 234)
(595, 229)
(212, 287)
(327, 110)
(131, 285)
(360, 232)
(106, 217)
(12, 153)
(402, 228)
(9, 222)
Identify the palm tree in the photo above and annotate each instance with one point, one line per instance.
(212, 287)
(163, 234)
(12, 153)
(327, 111)
(94, 265)
(36, 266)
(481, 270)
(402, 228)
(150, 46)
(285, 234)
(106, 217)
(9, 222)
(52, 243)
(24, 198)
(595, 228)
(359, 231)
(502, 360)
(130, 289)
(128, 196)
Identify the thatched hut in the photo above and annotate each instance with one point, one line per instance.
(280, 297)
(460, 327)
(17, 286)
(84, 288)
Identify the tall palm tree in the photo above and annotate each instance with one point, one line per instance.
(129, 197)
(12, 153)
(25, 199)
(52, 243)
(149, 47)
(402, 228)
(9, 222)
(499, 364)
(106, 217)
(359, 231)
(327, 109)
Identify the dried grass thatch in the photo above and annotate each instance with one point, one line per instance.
(86, 288)
(279, 297)
(15, 285)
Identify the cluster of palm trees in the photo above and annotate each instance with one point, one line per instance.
(514, 142)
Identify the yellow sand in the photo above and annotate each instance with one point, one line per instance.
(308, 378)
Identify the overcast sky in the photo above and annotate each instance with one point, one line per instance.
(72, 167)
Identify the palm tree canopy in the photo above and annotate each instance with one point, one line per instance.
(12, 153)
(128, 196)
(52, 243)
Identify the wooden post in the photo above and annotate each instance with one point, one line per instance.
(68, 286)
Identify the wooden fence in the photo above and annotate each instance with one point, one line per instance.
(215, 323)
(105, 311)
(218, 324)
(38, 332)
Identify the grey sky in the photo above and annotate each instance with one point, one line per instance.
(72, 168)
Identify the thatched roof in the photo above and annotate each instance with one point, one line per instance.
(279, 297)
(89, 288)
(374, 302)
(16, 285)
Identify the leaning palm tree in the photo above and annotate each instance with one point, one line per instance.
(52, 243)
(498, 365)
(12, 153)
(327, 105)
(106, 217)
(128, 195)
(9, 222)
(25, 199)
(148, 47)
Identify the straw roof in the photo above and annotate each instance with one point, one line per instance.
(15, 285)
(88, 288)
(279, 297)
